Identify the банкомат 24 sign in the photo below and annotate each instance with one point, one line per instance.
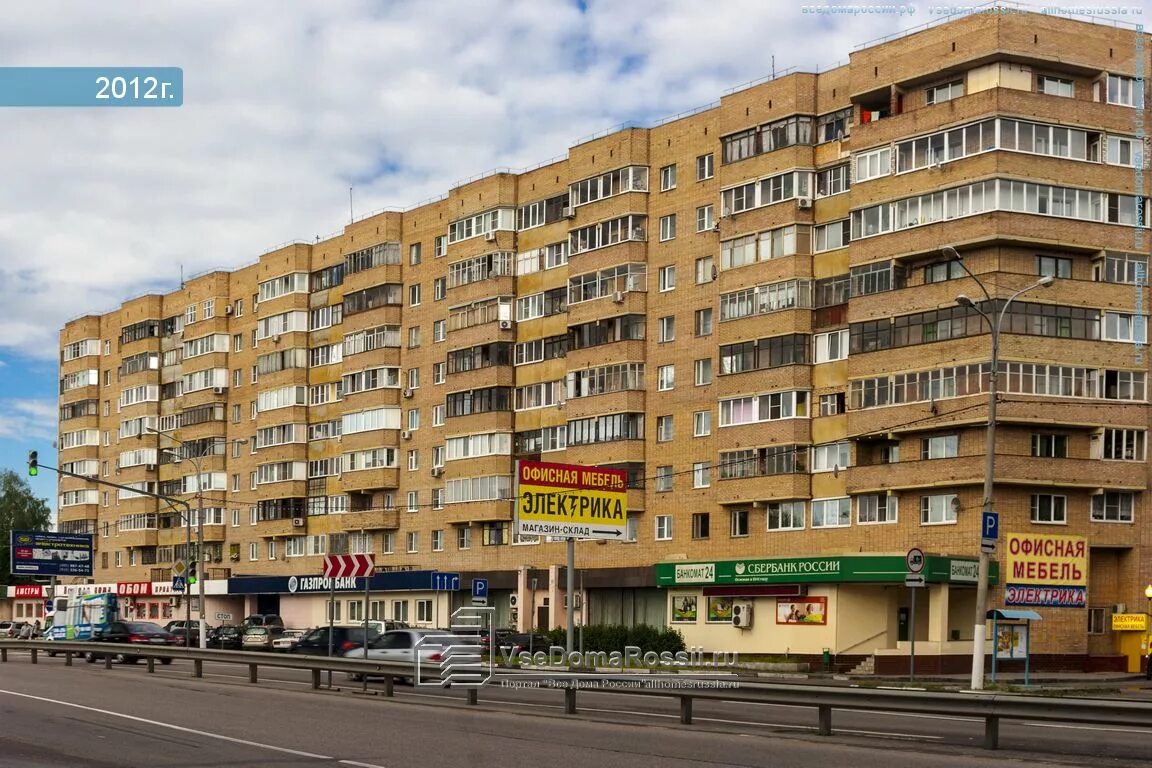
(40, 553)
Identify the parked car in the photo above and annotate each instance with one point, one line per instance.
(262, 620)
(128, 634)
(192, 632)
(344, 639)
(287, 641)
(522, 642)
(227, 637)
(404, 646)
(260, 638)
(387, 625)
(11, 628)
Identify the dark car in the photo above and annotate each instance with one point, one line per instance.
(513, 644)
(262, 620)
(344, 639)
(192, 633)
(227, 637)
(131, 634)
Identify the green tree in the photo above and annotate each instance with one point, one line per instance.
(20, 510)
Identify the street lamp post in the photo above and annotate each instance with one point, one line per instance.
(1148, 635)
(980, 629)
(203, 629)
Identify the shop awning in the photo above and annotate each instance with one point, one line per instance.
(1001, 614)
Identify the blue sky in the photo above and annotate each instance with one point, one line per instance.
(287, 102)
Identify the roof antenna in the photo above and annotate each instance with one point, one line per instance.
(181, 277)
(351, 215)
(773, 67)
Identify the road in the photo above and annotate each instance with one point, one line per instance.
(85, 716)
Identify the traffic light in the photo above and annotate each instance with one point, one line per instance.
(33, 464)
(191, 573)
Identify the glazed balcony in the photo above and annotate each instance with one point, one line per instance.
(369, 520)
(1010, 470)
(475, 512)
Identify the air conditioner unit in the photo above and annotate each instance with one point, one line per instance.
(490, 237)
(1120, 608)
(725, 212)
(437, 471)
(408, 393)
(405, 435)
(150, 467)
(505, 325)
(276, 338)
(297, 522)
(219, 390)
(618, 297)
(513, 600)
(228, 309)
(569, 212)
(742, 614)
(804, 203)
(716, 227)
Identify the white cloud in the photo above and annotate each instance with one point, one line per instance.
(288, 102)
(28, 419)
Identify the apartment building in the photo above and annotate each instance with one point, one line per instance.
(748, 309)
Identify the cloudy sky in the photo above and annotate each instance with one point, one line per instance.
(289, 102)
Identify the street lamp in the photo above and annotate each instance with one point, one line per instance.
(203, 629)
(980, 630)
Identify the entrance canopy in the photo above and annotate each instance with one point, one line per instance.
(1001, 614)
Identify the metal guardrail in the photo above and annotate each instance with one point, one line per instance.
(989, 707)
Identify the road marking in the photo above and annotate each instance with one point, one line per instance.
(183, 729)
(1088, 727)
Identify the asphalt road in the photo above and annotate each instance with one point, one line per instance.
(89, 717)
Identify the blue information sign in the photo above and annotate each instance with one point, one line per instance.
(480, 588)
(445, 582)
(990, 525)
(179, 583)
(91, 86)
(40, 553)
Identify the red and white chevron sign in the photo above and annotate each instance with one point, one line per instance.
(341, 566)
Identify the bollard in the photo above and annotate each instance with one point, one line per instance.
(197, 668)
(825, 727)
(67, 658)
(389, 682)
(3, 654)
(315, 679)
(151, 665)
(34, 653)
(569, 701)
(473, 696)
(991, 732)
(827, 659)
(108, 661)
(251, 673)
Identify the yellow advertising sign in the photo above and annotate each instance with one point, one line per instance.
(1045, 559)
(571, 501)
(1124, 622)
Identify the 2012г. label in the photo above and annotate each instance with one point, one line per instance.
(118, 88)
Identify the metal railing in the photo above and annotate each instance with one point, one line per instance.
(989, 707)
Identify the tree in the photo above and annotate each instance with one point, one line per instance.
(20, 510)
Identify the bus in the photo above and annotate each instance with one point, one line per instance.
(75, 618)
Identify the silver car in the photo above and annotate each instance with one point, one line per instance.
(402, 646)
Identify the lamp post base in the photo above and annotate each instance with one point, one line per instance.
(979, 635)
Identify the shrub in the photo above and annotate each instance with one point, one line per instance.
(615, 637)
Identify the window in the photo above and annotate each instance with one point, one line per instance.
(1125, 91)
(1047, 446)
(830, 346)
(832, 404)
(738, 523)
(1119, 326)
(702, 370)
(439, 330)
(439, 288)
(1054, 266)
(704, 167)
(1054, 86)
(705, 270)
(663, 479)
(664, 428)
(938, 509)
(665, 378)
(667, 328)
(700, 525)
(874, 164)
(663, 527)
(438, 541)
(947, 92)
(786, 516)
(940, 447)
(1112, 507)
(668, 177)
(876, 508)
(1122, 151)
(705, 219)
(424, 607)
(412, 541)
(701, 474)
(833, 181)
(831, 513)
(942, 271)
(1046, 508)
(701, 423)
(834, 126)
(1122, 445)
(832, 456)
(668, 227)
(667, 278)
(702, 325)
(463, 537)
(414, 254)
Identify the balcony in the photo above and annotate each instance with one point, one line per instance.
(475, 512)
(274, 529)
(620, 297)
(746, 490)
(370, 479)
(137, 539)
(214, 533)
(496, 285)
(369, 520)
(599, 454)
(1010, 470)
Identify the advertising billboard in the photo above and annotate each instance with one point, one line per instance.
(41, 553)
(571, 501)
(1046, 570)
